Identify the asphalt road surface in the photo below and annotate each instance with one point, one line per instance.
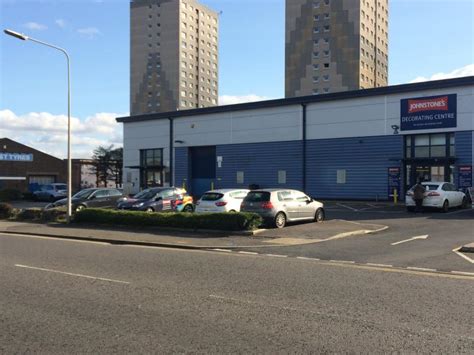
(60, 296)
(424, 240)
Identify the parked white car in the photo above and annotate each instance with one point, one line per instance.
(222, 200)
(441, 195)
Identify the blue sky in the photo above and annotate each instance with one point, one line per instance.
(428, 39)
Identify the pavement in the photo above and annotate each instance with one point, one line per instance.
(297, 234)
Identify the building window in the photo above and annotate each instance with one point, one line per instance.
(316, 66)
(326, 2)
(326, 16)
(316, 17)
(316, 30)
(430, 146)
(326, 65)
(315, 92)
(315, 79)
(316, 4)
(326, 53)
(326, 77)
(315, 54)
(326, 28)
(151, 167)
(326, 90)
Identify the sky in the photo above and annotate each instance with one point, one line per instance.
(428, 40)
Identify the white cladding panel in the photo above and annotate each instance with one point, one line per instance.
(250, 126)
(374, 116)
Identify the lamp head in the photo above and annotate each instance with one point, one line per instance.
(395, 129)
(16, 34)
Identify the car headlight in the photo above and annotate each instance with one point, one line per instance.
(139, 204)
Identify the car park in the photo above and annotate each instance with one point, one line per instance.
(221, 200)
(158, 199)
(93, 197)
(51, 192)
(440, 195)
(279, 206)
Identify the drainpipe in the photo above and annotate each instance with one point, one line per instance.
(304, 147)
(171, 151)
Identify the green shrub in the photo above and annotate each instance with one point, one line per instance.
(30, 214)
(6, 211)
(54, 214)
(7, 195)
(216, 221)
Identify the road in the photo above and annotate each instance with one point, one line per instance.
(439, 234)
(60, 296)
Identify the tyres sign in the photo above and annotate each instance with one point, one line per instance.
(429, 112)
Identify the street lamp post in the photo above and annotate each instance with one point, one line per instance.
(69, 165)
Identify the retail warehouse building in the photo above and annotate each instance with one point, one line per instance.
(360, 144)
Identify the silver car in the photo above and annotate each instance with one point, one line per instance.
(279, 206)
(51, 192)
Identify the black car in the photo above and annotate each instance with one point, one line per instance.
(156, 199)
(94, 197)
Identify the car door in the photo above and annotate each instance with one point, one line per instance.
(457, 195)
(168, 196)
(114, 195)
(99, 199)
(304, 208)
(288, 204)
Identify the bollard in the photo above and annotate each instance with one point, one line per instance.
(212, 185)
(395, 196)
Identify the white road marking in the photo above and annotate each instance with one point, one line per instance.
(59, 238)
(420, 268)
(348, 207)
(421, 237)
(463, 273)
(462, 255)
(460, 211)
(71, 274)
(248, 252)
(277, 255)
(305, 258)
(342, 261)
(379, 265)
(225, 250)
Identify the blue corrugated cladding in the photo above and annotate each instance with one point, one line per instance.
(260, 163)
(181, 170)
(464, 146)
(365, 159)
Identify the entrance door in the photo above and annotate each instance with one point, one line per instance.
(203, 169)
(427, 172)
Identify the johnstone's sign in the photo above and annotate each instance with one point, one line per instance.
(16, 157)
(429, 112)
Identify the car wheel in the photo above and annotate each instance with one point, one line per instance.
(232, 211)
(319, 215)
(188, 208)
(464, 203)
(445, 206)
(80, 208)
(280, 220)
(149, 210)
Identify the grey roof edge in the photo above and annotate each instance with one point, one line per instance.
(386, 90)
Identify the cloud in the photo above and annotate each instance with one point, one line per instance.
(233, 99)
(35, 26)
(60, 22)
(48, 132)
(89, 32)
(468, 70)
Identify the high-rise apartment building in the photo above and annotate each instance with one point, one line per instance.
(335, 45)
(173, 56)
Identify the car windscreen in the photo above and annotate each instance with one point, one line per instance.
(146, 194)
(211, 196)
(84, 193)
(257, 196)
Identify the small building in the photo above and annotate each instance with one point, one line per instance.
(25, 168)
(361, 144)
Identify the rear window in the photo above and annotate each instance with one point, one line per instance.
(211, 196)
(431, 187)
(257, 196)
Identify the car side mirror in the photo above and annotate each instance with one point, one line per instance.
(158, 198)
(309, 201)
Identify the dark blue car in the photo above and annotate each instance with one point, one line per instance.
(154, 199)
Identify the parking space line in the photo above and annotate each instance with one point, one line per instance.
(348, 207)
(342, 261)
(420, 237)
(224, 250)
(277, 255)
(462, 255)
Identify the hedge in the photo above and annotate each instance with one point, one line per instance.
(215, 221)
(6, 211)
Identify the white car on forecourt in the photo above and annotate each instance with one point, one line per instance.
(442, 195)
(222, 200)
